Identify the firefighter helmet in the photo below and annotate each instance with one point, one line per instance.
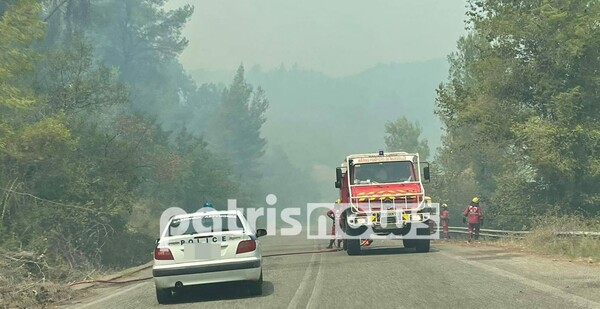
(444, 205)
(337, 201)
(475, 200)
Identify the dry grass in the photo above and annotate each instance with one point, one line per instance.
(543, 238)
(32, 294)
(28, 280)
(24, 281)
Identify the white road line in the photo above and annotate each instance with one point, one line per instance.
(300, 291)
(578, 300)
(314, 295)
(112, 295)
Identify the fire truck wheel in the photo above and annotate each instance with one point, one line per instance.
(409, 243)
(353, 246)
(357, 231)
(423, 245)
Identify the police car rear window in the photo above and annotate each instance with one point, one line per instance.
(205, 224)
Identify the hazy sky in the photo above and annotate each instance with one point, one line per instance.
(336, 37)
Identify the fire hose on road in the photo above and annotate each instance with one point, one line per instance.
(148, 266)
(109, 281)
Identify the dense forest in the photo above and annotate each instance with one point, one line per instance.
(101, 130)
(101, 127)
(521, 111)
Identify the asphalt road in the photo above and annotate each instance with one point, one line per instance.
(452, 275)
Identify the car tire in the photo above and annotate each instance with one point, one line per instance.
(256, 286)
(353, 246)
(164, 296)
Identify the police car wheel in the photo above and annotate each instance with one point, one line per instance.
(256, 286)
(164, 296)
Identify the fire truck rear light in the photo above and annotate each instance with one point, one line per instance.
(246, 246)
(162, 254)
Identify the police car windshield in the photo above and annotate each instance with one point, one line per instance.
(383, 172)
(209, 223)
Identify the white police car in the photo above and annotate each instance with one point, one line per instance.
(207, 247)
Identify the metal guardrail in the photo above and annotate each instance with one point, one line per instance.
(518, 234)
(584, 234)
(489, 232)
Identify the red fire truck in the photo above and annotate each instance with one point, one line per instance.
(383, 197)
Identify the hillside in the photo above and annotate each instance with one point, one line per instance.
(317, 120)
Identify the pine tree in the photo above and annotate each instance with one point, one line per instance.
(236, 129)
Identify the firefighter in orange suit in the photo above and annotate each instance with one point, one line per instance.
(331, 215)
(473, 215)
(444, 218)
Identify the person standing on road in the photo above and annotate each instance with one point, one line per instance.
(444, 218)
(331, 215)
(473, 215)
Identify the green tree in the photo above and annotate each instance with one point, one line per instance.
(19, 28)
(72, 83)
(519, 107)
(236, 129)
(92, 139)
(477, 130)
(142, 40)
(402, 135)
(70, 177)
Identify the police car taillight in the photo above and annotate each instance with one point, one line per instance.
(162, 254)
(246, 246)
